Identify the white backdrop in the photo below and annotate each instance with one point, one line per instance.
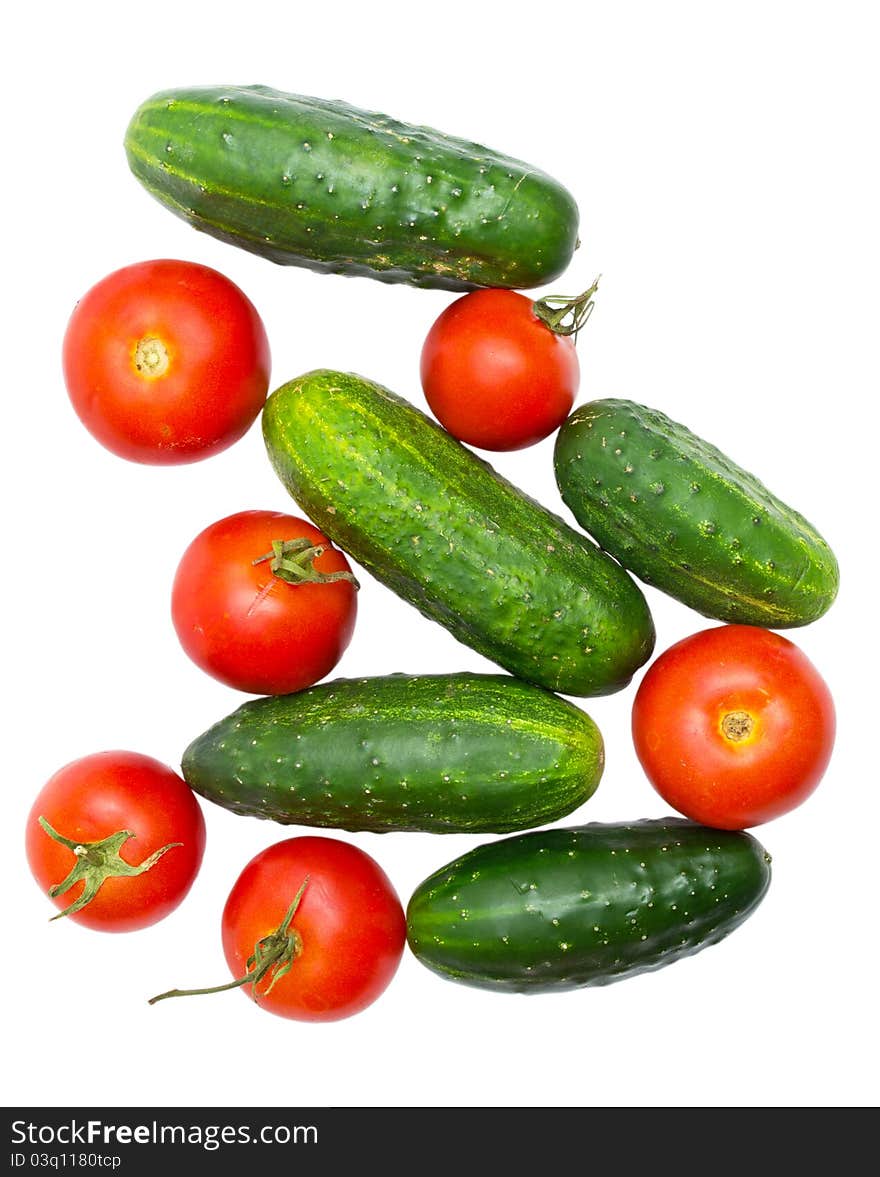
(724, 158)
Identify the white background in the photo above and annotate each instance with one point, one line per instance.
(724, 159)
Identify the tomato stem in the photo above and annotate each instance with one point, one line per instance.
(565, 315)
(96, 862)
(737, 725)
(151, 357)
(273, 956)
(293, 560)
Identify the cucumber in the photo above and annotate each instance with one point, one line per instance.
(440, 753)
(563, 908)
(683, 517)
(308, 182)
(443, 530)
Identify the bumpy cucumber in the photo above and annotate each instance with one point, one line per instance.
(440, 753)
(449, 535)
(563, 908)
(683, 517)
(308, 182)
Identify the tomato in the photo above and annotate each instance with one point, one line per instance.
(129, 828)
(166, 362)
(312, 930)
(734, 726)
(495, 374)
(257, 613)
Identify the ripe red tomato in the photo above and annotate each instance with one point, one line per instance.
(312, 930)
(733, 726)
(166, 362)
(258, 614)
(131, 830)
(495, 375)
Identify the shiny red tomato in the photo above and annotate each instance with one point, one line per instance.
(117, 838)
(264, 603)
(312, 930)
(495, 374)
(734, 726)
(166, 362)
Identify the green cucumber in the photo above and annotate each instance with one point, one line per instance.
(309, 182)
(439, 753)
(683, 517)
(564, 908)
(443, 530)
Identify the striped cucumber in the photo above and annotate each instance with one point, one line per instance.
(309, 182)
(683, 517)
(564, 908)
(448, 534)
(440, 753)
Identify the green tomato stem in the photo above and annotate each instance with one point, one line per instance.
(565, 315)
(95, 863)
(293, 560)
(273, 956)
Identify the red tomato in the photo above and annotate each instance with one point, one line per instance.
(494, 374)
(130, 826)
(266, 626)
(313, 930)
(166, 362)
(733, 726)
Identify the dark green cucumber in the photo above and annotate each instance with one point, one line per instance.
(563, 908)
(440, 753)
(308, 182)
(449, 535)
(683, 517)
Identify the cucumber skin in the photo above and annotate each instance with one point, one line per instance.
(565, 908)
(460, 753)
(683, 517)
(442, 529)
(308, 182)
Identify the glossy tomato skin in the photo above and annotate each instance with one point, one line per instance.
(494, 375)
(350, 924)
(246, 626)
(99, 795)
(166, 362)
(734, 726)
